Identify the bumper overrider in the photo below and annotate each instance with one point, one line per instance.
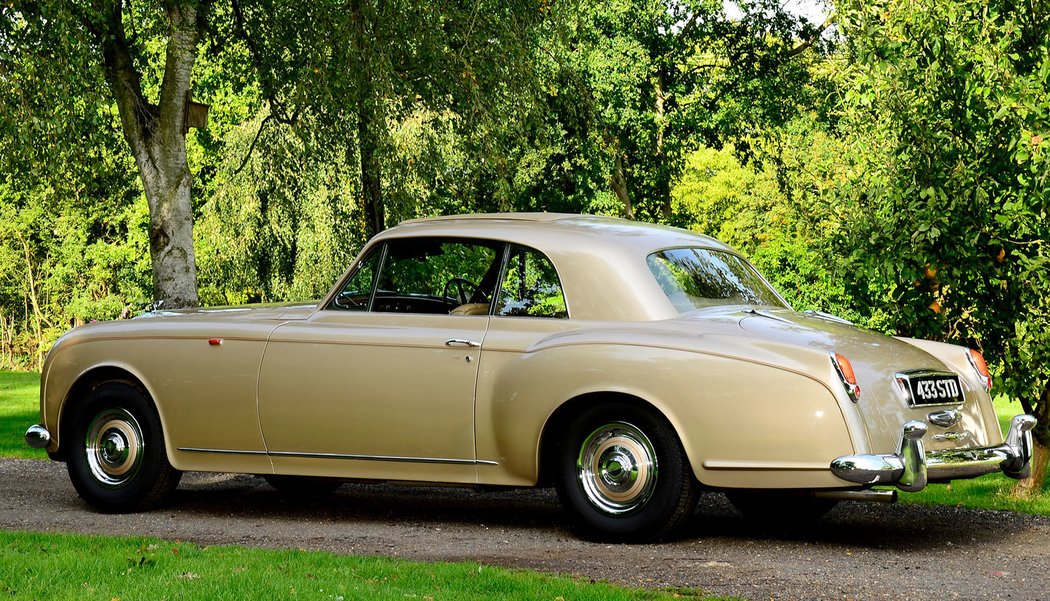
(37, 437)
(911, 467)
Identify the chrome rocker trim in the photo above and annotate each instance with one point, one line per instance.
(37, 437)
(911, 467)
(344, 456)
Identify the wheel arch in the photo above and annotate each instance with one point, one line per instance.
(562, 416)
(88, 381)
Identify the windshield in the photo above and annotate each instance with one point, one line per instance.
(695, 278)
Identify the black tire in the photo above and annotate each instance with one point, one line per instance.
(117, 460)
(649, 500)
(302, 486)
(783, 508)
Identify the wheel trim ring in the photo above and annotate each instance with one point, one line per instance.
(617, 468)
(114, 447)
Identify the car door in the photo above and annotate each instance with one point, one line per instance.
(380, 383)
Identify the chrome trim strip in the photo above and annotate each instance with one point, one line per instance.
(871, 496)
(716, 464)
(381, 458)
(826, 316)
(223, 451)
(910, 468)
(350, 457)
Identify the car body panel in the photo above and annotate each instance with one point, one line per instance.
(372, 385)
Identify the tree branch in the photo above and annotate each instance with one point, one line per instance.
(808, 43)
(136, 114)
(179, 57)
(277, 108)
(251, 148)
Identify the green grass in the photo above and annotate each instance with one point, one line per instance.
(19, 409)
(987, 492)
(65, 566)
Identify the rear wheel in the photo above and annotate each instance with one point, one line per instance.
(622, 472)
(117, 461)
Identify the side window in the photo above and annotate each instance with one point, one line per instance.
(358, 289)
(530, 287)
(438, 275)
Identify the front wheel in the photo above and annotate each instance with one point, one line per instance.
(117, 461)
(623, 473)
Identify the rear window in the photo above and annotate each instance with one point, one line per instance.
(695, 278)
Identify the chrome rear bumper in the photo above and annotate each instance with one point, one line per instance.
(911, 467)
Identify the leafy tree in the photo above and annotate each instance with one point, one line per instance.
(780, 211)
(384, 63)
(951, 101)
(637, 84)
(59, 46)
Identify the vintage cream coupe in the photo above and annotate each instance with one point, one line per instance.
(628, 365)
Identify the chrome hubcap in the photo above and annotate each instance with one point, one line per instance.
(114, 447)
(616, 468)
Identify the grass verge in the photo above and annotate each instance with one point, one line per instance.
(19, 409)
(65, 566)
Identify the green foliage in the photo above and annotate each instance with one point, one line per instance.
(950, 214)
(72, 242)
(633, 86)
(283, 228)
(65, 566)
(782, 213)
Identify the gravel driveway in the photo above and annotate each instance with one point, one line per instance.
(859, 551)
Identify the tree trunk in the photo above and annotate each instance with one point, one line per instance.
(157, 137)
(1033, 485)
(369, 124)
(617, 178)
(618, 181)
(371, 121)
(663, 189)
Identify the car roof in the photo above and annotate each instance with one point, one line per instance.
(551, 231)
(601, 261)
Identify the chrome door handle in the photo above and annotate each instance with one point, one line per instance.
(462, 342)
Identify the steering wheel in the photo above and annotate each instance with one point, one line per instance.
(345, 300)
(466, 291)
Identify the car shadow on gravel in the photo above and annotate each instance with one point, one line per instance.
(851, 524)
(250, 496)
(896, 527)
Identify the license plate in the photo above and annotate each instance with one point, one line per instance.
(930, 388)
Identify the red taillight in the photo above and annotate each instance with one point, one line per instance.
(981, 367)
(849, 378)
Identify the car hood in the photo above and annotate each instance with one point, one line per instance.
(282, 311)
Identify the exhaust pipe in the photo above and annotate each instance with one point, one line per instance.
(871, 496)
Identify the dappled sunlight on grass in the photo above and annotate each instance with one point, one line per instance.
(64, 566)
(19, 409)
